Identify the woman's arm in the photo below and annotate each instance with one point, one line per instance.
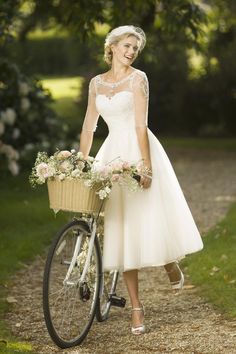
(141, 96)
(90, 121)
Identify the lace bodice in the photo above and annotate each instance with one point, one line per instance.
(122, 104)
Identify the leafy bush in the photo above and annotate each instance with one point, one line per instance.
(27, 124)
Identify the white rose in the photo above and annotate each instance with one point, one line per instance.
(43, 170)
(24, 88)
(13, 167)
(76, 173)
(65, 166)
(62, 176)
(9, 116)
(25, 104)
(2, 128)
(72, 151)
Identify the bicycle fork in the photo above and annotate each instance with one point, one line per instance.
(73, 262)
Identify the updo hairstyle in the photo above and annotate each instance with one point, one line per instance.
(118, 34)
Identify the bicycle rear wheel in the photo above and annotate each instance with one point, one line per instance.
(69, 305)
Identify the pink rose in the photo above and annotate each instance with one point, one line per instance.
(63, 154)
(115, 177)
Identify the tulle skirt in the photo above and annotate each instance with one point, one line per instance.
(151, 227)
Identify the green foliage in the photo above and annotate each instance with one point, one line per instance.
(8, 11)
(213, 269)
(27, 122)
(27, 227)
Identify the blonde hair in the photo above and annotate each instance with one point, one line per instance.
(119, 33)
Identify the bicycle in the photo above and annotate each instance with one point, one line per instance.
(75, 288)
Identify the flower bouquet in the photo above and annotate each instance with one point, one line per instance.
(79, 184)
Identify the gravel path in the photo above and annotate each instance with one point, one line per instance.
(182, 323)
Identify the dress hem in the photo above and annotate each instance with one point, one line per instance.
(147, 265)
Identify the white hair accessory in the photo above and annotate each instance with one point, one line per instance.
(129, 30)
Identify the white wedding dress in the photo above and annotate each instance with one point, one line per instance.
(154, 226)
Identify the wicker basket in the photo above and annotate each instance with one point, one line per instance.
(73, 195)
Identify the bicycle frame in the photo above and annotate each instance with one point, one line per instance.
(66, 281)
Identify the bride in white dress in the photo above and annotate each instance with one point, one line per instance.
(154, 226)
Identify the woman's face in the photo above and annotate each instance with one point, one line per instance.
(126, 50)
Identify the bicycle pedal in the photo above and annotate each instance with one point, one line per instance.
(84, 292)
(117, 301)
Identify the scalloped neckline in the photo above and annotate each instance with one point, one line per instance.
(117, 82)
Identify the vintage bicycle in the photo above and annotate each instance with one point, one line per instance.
(75, 287)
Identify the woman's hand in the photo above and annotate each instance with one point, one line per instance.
(146, 177)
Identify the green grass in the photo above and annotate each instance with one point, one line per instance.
(27, 226)
(63, 86)
(213, 269)
(65, 92)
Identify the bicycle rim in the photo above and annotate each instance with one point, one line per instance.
(69, 306)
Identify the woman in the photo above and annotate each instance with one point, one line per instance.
(154, 226)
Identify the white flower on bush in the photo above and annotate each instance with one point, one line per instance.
(24, 88)
(10, 152)
(65, 166)
(29, 147)
(25, 104)
(43, 171)
(9, 116)
(2, 128)
(45, 144)
(12, 155)
(63, 154)
(16, 133)
(13, 167)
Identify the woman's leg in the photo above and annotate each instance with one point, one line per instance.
(131, 281)
(173, 271)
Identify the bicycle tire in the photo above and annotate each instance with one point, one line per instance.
(107, 288)
(69, 325)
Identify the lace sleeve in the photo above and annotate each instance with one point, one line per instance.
(91, 116)
(141, 97)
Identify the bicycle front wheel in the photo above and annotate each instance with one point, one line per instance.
(69, 304)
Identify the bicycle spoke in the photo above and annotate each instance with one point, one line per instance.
(70, 303)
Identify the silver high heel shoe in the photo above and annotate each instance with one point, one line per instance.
(179, 284)
(141, 328)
